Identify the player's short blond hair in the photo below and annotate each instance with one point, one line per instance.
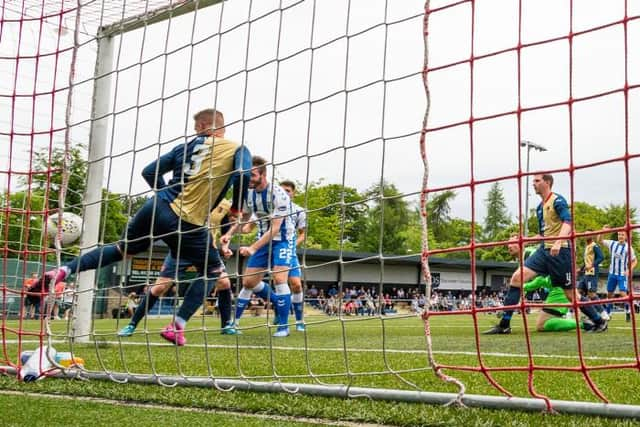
(211, 115)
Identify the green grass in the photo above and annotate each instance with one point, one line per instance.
(379, 353)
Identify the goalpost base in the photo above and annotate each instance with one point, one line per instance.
(341, 391)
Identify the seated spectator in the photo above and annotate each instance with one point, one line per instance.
(415, 308)
(322, 300)
(312, 295)
(348, 307)
(256, 305)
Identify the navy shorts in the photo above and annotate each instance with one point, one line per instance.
(557, 267)
(171, 266)
(591, 283)
(156, 220)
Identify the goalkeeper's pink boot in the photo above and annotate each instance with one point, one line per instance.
(174, 334)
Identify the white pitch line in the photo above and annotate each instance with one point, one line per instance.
(356, 350)
(164, 408)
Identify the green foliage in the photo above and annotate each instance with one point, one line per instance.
(388, 217)
(113, 218)
(48, 180)
(438, 214)
(499, 253)
(497, 218)
(331, 207)
(591, 218)
(22, 228)
(444, 231)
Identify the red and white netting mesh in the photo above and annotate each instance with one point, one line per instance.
(501, 75)
(345, 80)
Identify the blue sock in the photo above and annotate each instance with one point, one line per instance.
(283, 304)
(98, 257)
(297, 301)
(194, 297)
(263, 290)
(609, 307)
(244, 296)
(241, 304)
(512, 298)
(141, 309)
(590, 312)
(298, 309)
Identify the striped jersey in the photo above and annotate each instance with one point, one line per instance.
(552, 213)
(272, 202)
(619, 257)
(299, 218)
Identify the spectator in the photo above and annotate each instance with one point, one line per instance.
(67, 300)
(322, 300)
(333, 291)
(57, 302)
(31, 302)
(312, 295)
(132, 303)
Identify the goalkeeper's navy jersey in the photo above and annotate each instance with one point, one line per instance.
(203, 169)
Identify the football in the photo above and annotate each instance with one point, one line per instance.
(70, 226)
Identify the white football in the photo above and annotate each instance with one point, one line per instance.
(71, 227)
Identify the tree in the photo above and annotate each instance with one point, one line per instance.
(438, 213)
(48, 177)
(388, 219)
(113, 216)
(22, 230)
(497, 218)
(334, 216)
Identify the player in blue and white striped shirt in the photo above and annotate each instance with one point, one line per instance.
(272, 251)
(295, 274)
(622, 257)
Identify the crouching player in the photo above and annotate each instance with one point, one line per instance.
(552, 319)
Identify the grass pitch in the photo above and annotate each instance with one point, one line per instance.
(361, 352)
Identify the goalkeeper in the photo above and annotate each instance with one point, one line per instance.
(552, 319)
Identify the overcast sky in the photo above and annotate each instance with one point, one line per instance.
(355, 127)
